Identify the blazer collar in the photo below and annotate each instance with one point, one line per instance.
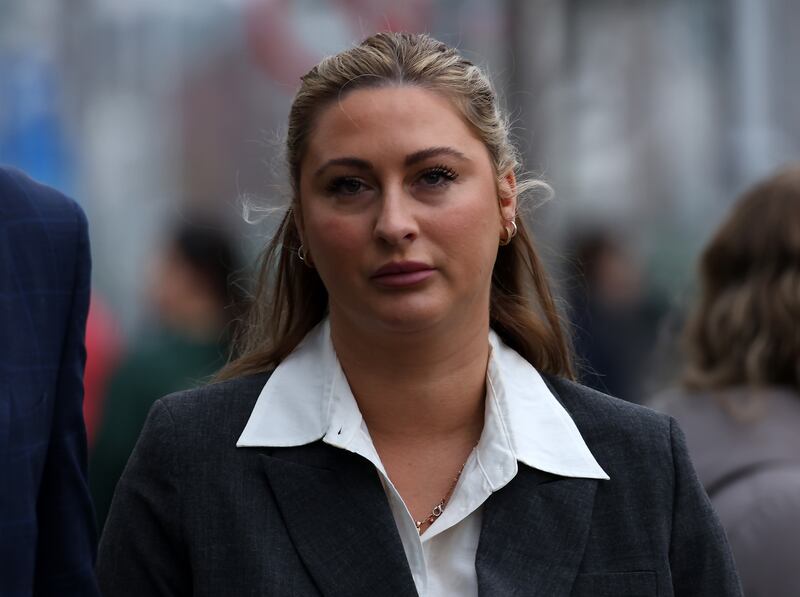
(533, 533)
(337, 515)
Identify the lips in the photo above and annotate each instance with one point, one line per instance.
(402, 273)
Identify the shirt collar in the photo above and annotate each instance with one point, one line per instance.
(307, 398)
(298, 405)
(541, 432)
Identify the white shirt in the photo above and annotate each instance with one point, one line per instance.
(307, 398)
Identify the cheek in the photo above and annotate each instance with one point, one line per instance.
(334, 239)
(472, 231)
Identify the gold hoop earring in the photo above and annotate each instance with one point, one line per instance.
(302, 255)
(511, 232)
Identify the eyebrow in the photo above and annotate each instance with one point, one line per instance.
(432, 152)
(411, 159)
(347, 161)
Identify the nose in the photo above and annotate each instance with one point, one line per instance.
(396, 223)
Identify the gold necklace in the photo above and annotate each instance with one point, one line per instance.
(438, 509)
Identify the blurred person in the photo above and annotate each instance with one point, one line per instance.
(47, 533)
(740, 400)
(400, 418)
(190, 295)
(613, 321)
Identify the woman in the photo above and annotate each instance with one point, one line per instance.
(740, 404)
(400, 419)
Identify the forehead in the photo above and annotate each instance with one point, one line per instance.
(387, 120)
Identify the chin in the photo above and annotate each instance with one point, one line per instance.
(409, 319)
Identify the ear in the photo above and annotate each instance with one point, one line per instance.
(507, 196)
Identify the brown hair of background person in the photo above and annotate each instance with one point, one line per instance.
(740, 404)
(289, 299)
(745, 329)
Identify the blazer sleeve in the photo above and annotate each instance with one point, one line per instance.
(141, 550)
(66, 536)
(700, 558)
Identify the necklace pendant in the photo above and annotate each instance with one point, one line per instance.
(437, 511)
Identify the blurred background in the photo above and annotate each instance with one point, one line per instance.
(647, 118)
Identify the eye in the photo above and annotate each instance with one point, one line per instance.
(346, 185)
(438, 176)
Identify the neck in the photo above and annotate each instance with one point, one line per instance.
(422, 386)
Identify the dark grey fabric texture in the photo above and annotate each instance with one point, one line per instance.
(194, 515)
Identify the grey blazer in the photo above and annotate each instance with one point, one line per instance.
(194, 515)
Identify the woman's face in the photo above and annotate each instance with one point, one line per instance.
(399, 211)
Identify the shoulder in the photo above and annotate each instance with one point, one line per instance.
(26, 199)
(46, 228)
(690, 408)
(599, 414)
(645, 455)
(191, 433)
(631, 442)
(222, 407)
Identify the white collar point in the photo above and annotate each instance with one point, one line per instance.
(540, 429)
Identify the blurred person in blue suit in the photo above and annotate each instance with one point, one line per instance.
(47, 533)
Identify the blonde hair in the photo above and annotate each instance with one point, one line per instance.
(289, 298)
(745, 328)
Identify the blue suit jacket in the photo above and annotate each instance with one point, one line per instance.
(47, 535)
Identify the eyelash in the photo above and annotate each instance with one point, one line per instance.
(448, 173)
(336, 186)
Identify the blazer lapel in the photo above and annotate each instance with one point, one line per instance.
(533, 534)
(337, 514)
